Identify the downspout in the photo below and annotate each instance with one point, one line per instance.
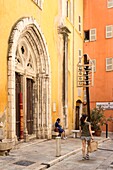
(63, 87)
(73, 61)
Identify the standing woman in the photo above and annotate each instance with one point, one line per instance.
(86, 135)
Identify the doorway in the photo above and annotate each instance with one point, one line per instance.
(77, 118)
(29, 60)
(30, 106)
(78, 112)
(18, 90)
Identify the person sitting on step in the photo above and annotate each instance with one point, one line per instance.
(58, 128)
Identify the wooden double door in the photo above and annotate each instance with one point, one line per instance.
(28, 116)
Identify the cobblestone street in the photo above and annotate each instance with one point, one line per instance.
(41, 154)
(101, 159)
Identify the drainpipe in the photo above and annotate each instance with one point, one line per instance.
(73, 92)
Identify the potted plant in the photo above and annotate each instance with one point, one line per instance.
(98, 119)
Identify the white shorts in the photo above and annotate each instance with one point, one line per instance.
(88, 138)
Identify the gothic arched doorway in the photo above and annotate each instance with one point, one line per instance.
(28, 82)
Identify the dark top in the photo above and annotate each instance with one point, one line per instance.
(57, 124)
(85, 129)
(59, 127)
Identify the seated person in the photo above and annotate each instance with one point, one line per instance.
(58, 128)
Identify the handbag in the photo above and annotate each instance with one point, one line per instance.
(93, 146)
(56, 129)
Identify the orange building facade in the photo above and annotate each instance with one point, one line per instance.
(98, 44)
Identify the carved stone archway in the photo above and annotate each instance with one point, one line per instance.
(28, 56)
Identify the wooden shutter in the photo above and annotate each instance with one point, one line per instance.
(79, 55)
(109, 31)
(79, 18)
(94, 64)
(109, 64)
(93, 34)
(110, 3)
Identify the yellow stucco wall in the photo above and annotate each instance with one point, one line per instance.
(75, 44)
(10, 13)
(78, 43)
(47, 18)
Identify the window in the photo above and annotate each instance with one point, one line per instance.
(79, 55)
(109, 64)
(90, 35)
(79, 23)
(109, 31)
(79, 92)
(86, 35)
(94, 64)
(67, 9)
(110, 4)
(68, 13)
(84, 98)
(39, 3)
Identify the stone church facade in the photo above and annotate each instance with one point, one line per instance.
(29, 68)
(38, 67)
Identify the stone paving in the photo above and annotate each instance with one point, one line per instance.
(40, 154)
(99, 160)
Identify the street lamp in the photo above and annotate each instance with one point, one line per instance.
(85, 77)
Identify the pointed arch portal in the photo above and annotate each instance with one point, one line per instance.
(28, 82)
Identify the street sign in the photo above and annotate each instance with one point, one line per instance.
(85, 77)
(105, 105)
